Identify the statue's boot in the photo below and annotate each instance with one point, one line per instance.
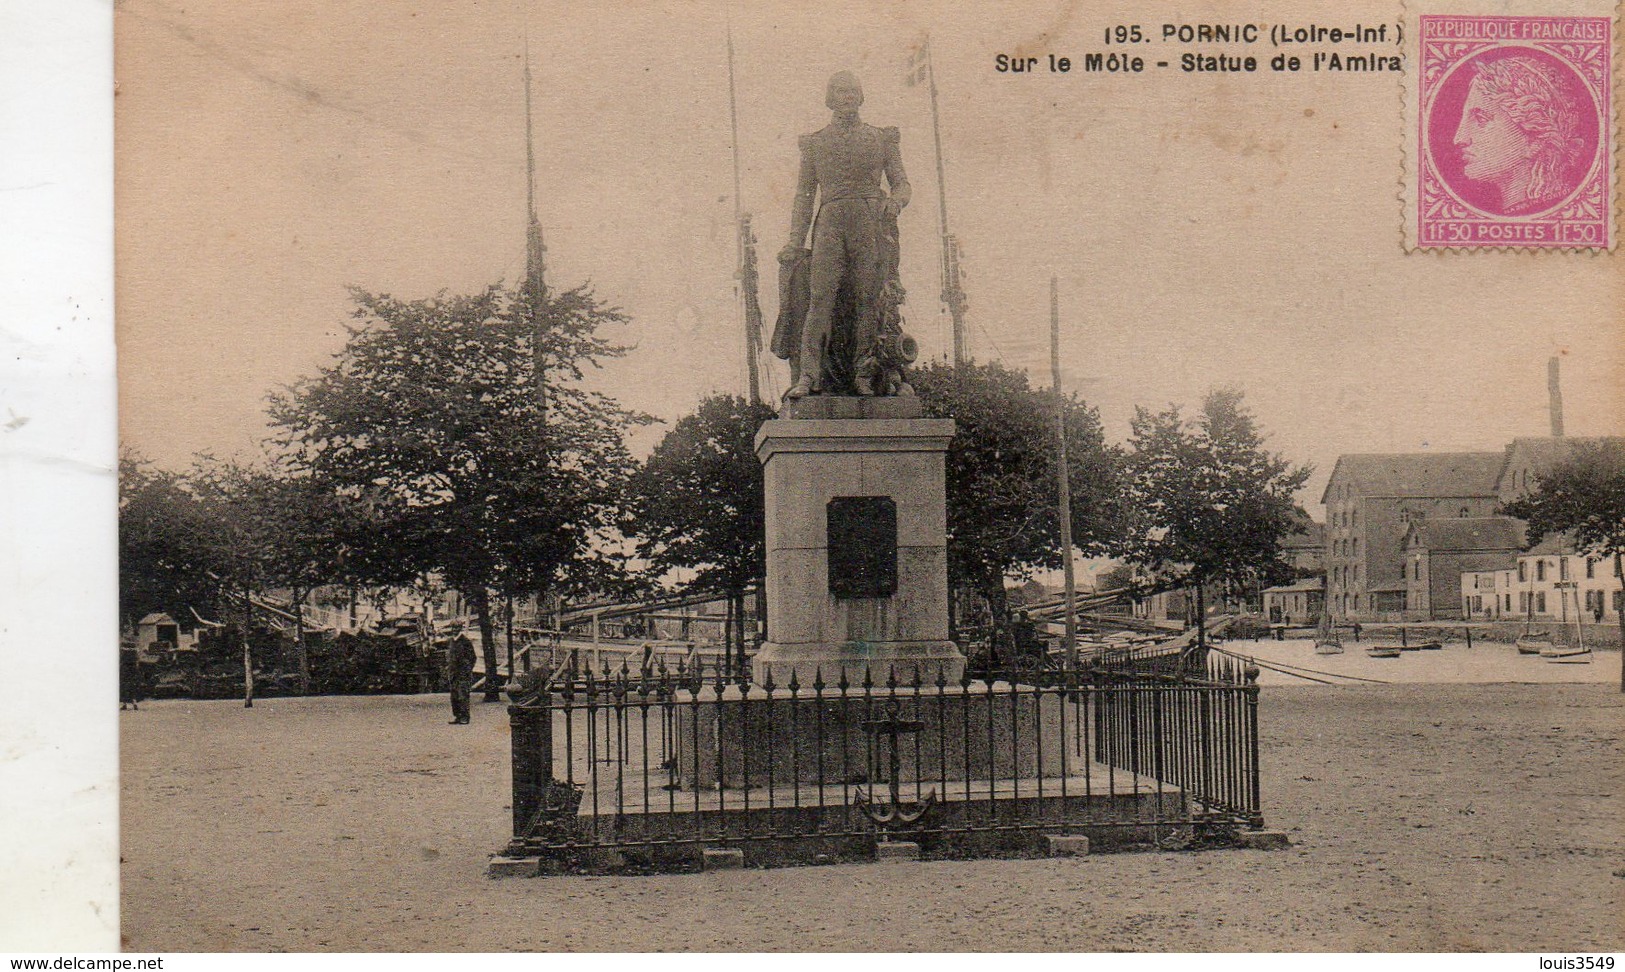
(801, 389)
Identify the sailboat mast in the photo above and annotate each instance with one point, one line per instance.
(953, 294)
(1063, 481)
(535, 290)
(746, 256)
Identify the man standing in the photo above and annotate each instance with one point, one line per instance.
(459, 674)
(842, 165)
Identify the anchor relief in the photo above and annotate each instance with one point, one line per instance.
(892, 814)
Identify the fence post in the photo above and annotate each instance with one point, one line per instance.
(1254, 785)
(531, 731)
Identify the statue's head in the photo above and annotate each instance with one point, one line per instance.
(844, 92)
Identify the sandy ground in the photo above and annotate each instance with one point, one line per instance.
(1434, 816)
(1485, 661)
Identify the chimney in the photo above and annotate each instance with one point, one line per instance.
(1555, 391)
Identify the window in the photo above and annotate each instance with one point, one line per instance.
(1509, 602)
(1563, 568)
(1356, 548)
(1619, 601)
(1591, 567)
(1540, 570)
(1356, 517)
(1416, 569)
(1464, 512)
(1523, 570)
(1540, 603)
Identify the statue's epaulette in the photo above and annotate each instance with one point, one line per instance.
(889, 135)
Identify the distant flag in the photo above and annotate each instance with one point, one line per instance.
(919, 63)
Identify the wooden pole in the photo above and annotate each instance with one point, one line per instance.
(1064, 486)
(1619, 571)
(248, 652)
(535, 251)
(509, 614)
(745, 241)
(950, 277)
(299, 641)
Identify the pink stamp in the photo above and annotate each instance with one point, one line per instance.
(1513, 132)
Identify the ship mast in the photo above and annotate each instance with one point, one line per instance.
(1064, 486)
(746, 275)
(535, 288)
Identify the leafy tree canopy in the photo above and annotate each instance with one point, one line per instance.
(461, 426)
(1583, 495)
(1208, 502)
(1003, 514)
(432, 418)
(169, 558)
(696, 503)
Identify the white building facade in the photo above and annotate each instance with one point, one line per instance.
(1545, 586)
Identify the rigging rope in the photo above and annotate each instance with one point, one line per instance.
(1294, 670)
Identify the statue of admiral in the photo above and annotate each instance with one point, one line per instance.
(839, 323)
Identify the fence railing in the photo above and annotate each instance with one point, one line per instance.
(555, 660)
(650, 757)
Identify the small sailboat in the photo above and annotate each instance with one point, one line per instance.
(1533, 644)
(1327, 640)
(1426, 646)
(1568, 654)
(1576, 652)
(1384, 651)
(1530, 643)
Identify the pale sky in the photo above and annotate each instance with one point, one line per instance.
(1207, 230)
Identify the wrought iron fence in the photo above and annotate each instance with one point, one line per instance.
(650, 760)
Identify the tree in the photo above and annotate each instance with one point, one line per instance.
(249, 545)
(432, 416)
(297, 530)
(696, 502)
(1583, 495)
(168, 557)
(1208, 504)
(1117, 577)
(1003, 519)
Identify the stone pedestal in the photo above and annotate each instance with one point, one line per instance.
(877, 599)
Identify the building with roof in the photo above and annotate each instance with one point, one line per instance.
(1299, 602)
(158, 632)
(1551, 583)
(1372, 500)
(1439, 551)
(1306, 551)
(1527, 459)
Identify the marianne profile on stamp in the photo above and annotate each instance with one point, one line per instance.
(1519, 134)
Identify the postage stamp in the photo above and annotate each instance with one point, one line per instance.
(1512, 141)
